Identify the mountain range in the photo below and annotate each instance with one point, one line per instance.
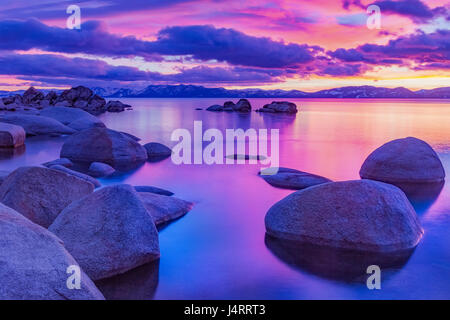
(192, 91)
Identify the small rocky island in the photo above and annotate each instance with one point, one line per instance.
(244, 106)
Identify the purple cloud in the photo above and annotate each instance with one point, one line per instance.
(415, 9)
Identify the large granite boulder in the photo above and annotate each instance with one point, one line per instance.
(359, 215)
(34, 263)
(243, 105)
(104, 145)
(294, 180)
(74, 118)
(402, 162)
(280, 107)
(40, 194)
(99, 169)
(96, 105)
(11, 136)
(3, 175)
(157, 151)
(108, 232)
(77, 93)
(164, 208)
(77, 174)
(59, 162)
(37, 125)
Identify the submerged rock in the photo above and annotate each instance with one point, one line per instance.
(11, 136)
(37, 125)
(157, 150)
(34, 263)
(215, 108)
(279, 107)
(294, 180)
(164, 208)
(406, 163)
(76, 119)
(77, 174)
(104, 145)
(360, 215)
(108, 232)
(153, 190)
(40, 194)
(98, 169)
(59, 162)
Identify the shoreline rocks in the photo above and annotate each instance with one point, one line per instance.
(293, 179)
(243, 106)
(104, 145)
(77, 174)
(108, 232)
(76, 119)
(157, 151)
(360, 215)
(40, 194)
(99, 170)
(11, 136)
(38, 125)
(34, 263)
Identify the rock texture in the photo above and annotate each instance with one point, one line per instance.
(104, 145)
(74, 118)
(37, 125)
(116, 106)
(77, 174)
(59, 162)
(243, 105)
(279, 107)
(11, 136)
(34, 263)
(164, 208)
(108, 232)
(40, 194)
(157, 150)
(98, 169)
(360, 215)
(408, 160)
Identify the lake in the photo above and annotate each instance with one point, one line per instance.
(218, 250)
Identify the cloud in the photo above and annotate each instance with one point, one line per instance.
(200, 42)
(415, 9)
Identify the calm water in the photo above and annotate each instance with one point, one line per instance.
(218, 250)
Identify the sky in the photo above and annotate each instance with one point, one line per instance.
(278, 44)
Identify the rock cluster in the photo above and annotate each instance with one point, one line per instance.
(79, 97)
(243, 105)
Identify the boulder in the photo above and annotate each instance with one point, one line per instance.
(77, 93)
(400, 161)
(360, 215)
(40, 194)
(11, 136)
(59, 162)
(98, 169)
(63, 104)
(104, 145)
(280, 107)
(96, 105)
(164, 208)
(51, 96)
(32, 95)
(153, 190)
(116, 106)
(229, 104)
(243, 105)
(294, 180)
(77, 174)
(34, 263)
(37, 125)
(108, 232)
(76, 119)
(215, 107)
(157, 150)
(130, 136)
(81, 104)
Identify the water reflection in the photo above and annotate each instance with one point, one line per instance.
(8, 153)
(136, 284)
(333, 263)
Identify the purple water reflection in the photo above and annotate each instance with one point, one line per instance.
(218, 250)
